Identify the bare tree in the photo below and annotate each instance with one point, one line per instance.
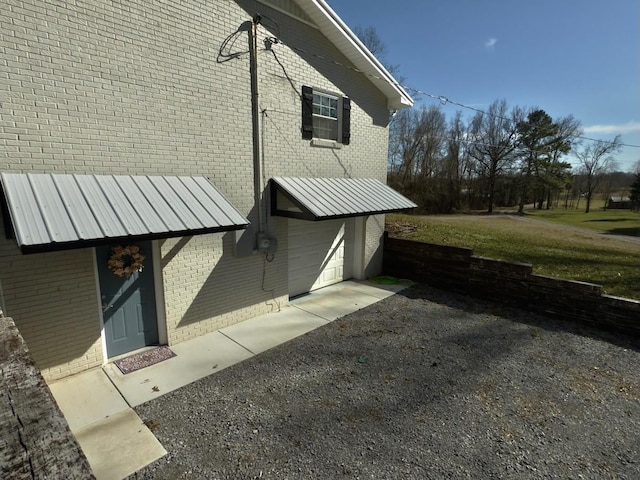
(634, 194)
(405, 141)
(492, 142)
(433, 127)
(417, 140)
(454, 162)
(418, 152)
(370, 38)
(595, 160)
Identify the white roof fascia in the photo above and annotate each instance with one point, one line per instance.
(332, 26)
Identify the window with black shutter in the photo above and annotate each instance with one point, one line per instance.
(325, 116)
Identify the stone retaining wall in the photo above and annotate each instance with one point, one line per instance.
(510, 283)
(35, 440)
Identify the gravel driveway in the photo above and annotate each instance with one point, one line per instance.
(424, 384)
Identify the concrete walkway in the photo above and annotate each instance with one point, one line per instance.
(97, 404)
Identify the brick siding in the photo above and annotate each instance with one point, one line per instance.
(155, 87)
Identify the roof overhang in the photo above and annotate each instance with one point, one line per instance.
(47, 212)
(332, 26)
(329, 198)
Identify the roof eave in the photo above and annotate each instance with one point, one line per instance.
(332, 26)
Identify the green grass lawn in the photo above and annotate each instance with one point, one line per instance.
(552, 250)
(619, 222)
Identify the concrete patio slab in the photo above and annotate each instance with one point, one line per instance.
(119, 445)
(87, 398)
(379, 291)
(262, 333)
(111, 435)
(339, 300)
(97, 403)
(194, 360)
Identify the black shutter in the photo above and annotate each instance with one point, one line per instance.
(307, 113)
(346, 120)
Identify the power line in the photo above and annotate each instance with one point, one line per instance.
(440, 98)
(271, 41)
(444, 100)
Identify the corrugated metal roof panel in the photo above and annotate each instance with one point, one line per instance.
(151, 220)
(213, 195)
(326, 198)
(28, 222)
(80, 214)
(58, 211)
(128, 216)
(169, 220)
(54, 214)
(99, 206)
(189, 207)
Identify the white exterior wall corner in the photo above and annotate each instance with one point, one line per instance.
(373, 249)
(137, 87)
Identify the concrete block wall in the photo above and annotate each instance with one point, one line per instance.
(510, 283)
(155, 87)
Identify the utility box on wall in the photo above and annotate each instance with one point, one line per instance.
(248, 242)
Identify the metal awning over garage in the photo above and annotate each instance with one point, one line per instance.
(327, 198)
(59, 211)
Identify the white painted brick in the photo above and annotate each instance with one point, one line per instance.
(135, 87)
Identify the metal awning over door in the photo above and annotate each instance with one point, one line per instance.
(328, 198)
(61, 211)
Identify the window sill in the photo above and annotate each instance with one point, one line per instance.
(324, 143)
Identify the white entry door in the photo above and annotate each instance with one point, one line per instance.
(320, 253)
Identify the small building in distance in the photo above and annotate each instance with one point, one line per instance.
(619, 203)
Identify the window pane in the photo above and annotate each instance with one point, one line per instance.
(325, 105)
(325, 128)
(325, 116)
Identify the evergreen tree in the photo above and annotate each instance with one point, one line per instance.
(537, 135)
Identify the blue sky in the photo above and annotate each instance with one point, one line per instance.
(578, 57)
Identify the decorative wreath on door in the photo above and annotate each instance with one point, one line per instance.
(125, 261)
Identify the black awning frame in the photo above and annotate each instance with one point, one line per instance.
(60, 246)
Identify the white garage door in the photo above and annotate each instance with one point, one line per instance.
(320, 253)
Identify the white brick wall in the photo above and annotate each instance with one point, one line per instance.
(156, 87)
(207, 288)
(53, 298)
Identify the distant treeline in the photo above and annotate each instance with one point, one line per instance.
(502, 157)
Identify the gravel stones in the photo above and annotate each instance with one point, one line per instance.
(424, 384)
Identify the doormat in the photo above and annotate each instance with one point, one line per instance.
(144, 359)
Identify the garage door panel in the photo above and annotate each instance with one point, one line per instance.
(320, 254)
